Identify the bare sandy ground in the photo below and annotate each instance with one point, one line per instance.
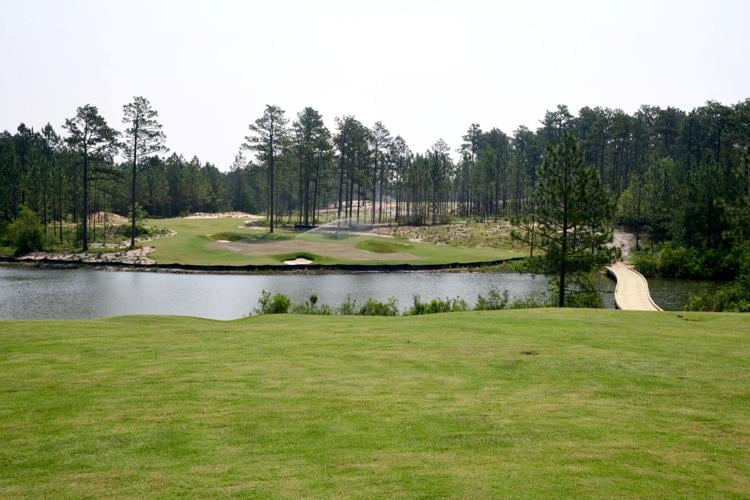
(299, 261)
(108, 217)
(624, 241)
(335, 249)
(136, 256)
(224, 215)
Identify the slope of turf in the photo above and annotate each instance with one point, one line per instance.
(512, 403)
(233, 236)
(195, 242)
(383, 245)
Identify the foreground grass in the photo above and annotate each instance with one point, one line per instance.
(193, 245)
(512, 403)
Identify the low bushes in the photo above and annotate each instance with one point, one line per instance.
(437, 306)
(375, 308)
(495, 300)
(281, 304)
(732, 297)
(683, 262)
(26, 233)
(273, 304)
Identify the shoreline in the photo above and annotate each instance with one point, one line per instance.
(254, 268)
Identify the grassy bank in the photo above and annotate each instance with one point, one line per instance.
(228, 242)
(511, 403)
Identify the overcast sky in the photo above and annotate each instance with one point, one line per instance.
(426, 69)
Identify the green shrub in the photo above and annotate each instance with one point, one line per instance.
(646, 263)
(281, 304)
(273, 304)
(348, 307)
(732, 297)
(580, 290)
(311, 307)
(495, 300)
(540, 299)
(26, 233)
(375, 308)
(437, 306)
(683, 262)
(679, 262)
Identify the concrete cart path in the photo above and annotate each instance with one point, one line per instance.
(631, 292)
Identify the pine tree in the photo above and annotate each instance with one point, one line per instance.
(312, 143)
(94, 141)
(268, 136)
(573, 212)
(144, 137)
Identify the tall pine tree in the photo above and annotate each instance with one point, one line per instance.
(94, 141)
(143, 137)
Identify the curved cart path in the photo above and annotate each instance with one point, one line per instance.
(631, 292)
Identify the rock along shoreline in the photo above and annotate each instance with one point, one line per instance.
(245, 269)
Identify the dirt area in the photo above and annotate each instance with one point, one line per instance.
(107, 218)
(625, 242)
(224, 215)
(465, 234)
(125, 255)
(126, 243)
(335, 249)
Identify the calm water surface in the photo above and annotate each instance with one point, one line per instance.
(27, 293)
(80, 293)
(672, 294)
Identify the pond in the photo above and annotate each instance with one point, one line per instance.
(672, 294)
(30, 293)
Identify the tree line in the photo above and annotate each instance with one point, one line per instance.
(678, 176)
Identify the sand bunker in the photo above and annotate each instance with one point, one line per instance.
(299, 261)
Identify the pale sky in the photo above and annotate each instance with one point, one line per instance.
(426, 69)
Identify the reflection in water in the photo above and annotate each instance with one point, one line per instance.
(79, 293)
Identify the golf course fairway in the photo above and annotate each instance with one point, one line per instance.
(522, 403)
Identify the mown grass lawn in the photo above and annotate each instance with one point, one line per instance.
(193, 245)
(523, 403)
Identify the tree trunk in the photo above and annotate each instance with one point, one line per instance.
(564, 252)
(341, 191)
(85, 207)
(270, 184)
(132, 186)
(380, 199)
(374, 185)
(315, 191)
